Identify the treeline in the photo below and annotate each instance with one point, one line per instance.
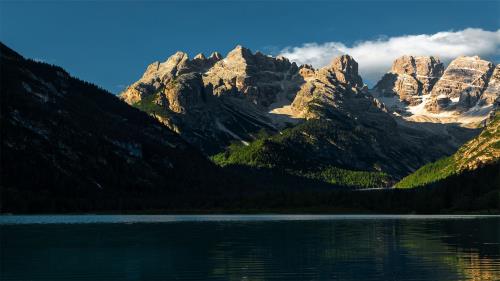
(241, 190)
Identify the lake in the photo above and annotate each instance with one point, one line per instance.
(250, 247)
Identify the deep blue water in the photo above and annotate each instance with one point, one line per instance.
(254, 247)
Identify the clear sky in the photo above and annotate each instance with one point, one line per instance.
(110, 43)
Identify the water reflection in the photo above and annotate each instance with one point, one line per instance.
(388, 249)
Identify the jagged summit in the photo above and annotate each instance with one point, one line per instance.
(410, 78)
(236, 96)
(461, 86)
(420, 89)
(346, 69)
(238, 53)
(213, 101)
(335, 88)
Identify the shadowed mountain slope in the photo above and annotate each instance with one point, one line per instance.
(63, 136)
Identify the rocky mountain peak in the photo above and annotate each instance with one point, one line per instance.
(177, 61)
(246, 92)
(256, 77)
(461, 85)
(464, 62)
(420, 66)
(404, 65)
(420, 89)
(429, 65)
(345, 63)
(239, 53)
(200, 63)
(333, 88)
(157, 75)
(175, 65)
(409, 78)
(217, 98)
(346, 70)
(177, 58)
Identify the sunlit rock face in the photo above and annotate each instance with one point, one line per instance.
(417, 89)
(347, 127)
(492, 93)
(330, 88)
(261, 79)
(410, 78)
(258, 78)
(213, 101)
(156, 76)
(462, 84)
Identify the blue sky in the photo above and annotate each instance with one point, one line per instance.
(110, 43)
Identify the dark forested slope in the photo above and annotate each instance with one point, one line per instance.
(67, 142)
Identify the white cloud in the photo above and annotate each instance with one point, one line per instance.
(376, 57)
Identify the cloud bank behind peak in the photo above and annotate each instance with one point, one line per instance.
(375, 57)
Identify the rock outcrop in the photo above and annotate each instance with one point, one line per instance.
(461, 85)
(410, 78)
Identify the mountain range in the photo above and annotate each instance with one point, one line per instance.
(240, 131)
(421, 89)
(306, 119)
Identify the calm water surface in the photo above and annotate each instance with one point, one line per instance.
(254, 247)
